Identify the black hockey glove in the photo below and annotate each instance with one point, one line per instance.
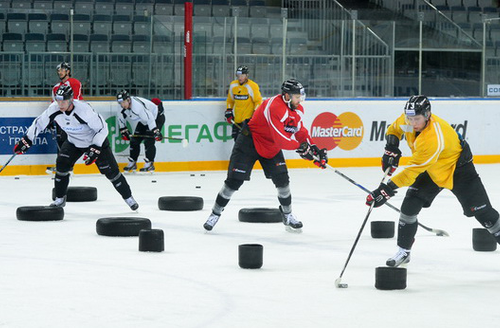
(91, 154)
(381, 194)
(22, 145)
(390, 159)
(158, 135)
(305, 151)
(320, 157)
(125, 133)
(229, 115)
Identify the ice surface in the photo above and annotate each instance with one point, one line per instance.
(62, 274)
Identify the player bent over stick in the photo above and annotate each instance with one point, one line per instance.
(441, 158)
(87, 135)
(148, 114)
(276, 125)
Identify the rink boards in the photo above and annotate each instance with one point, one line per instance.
(351, 129)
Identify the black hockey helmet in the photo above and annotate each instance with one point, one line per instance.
(122, 95)
(242, 70)
(64, 93)
(64, 65)
(418, 105)
(293, 87)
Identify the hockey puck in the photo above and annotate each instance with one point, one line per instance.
(16, 178)
(250, 256)
(387, 278)
(343, 285)
(202, 175)
(483, 240)
(198, 187)
(192, 175)
(153, 181)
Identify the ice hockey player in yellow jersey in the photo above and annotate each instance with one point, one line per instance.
(243, 98)
(440, 159)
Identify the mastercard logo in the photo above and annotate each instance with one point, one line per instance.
(345, 131)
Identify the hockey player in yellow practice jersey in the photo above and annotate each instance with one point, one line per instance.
(243, 98)
(440, 159)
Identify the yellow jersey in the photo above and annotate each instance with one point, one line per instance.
(436, 150)
(243, 99)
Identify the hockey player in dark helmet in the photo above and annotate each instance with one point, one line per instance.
(293, 93)
(440, 158)
(242, 99)
(273, 127)
(87, 135)
(150, 118)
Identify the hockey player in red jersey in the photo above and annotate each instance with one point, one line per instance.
(276, 125)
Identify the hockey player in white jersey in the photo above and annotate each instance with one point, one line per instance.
(150, 117)
(87, 135)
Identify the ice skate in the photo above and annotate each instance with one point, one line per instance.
(402, 257)
(211, 221)
(59, 202)
(148, 166)
(131, 166)
(132, 203)
(50, 170)
(290, 222)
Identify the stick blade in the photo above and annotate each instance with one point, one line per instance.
(185, 143)
(339, 284)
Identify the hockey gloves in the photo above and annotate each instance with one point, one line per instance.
(313, 153)
(91, 154)
(22, 145)
(390, 159)
(229, 115)
(158, 135)
(125, 133)
(381, 194)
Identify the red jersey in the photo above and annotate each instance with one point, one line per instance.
(274, 126)
(74, 84)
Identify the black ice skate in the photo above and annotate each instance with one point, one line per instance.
(148, 166)
(291, 223)
(131, 167)
(211, 221)
(402, 257)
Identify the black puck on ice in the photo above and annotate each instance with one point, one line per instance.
(16, 178)
(250, 256)
(387, 278)
(202, 174)
(151, 240)
(153, 181)
(192, 174)
(483, 240)
(198, 187)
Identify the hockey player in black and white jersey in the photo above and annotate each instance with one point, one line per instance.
(150, 117)
(87, 135)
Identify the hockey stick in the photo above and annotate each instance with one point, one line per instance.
(438, 232)
(185, 142)
(338, 283)
(10, 159)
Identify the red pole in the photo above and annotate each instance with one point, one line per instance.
(188, 50)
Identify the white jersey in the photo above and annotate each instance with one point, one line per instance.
(141, 110)
(83, 125)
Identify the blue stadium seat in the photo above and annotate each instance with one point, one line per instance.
(21, 4)
(140, 44)
(85, 7)
(164, 7)
(46, 5)
(220, 8)
(63, 6)
(202, 8)
(17, 23)
(99, 43)
(80, 43)
(124, 7)
(103, 24)
(104, 7)
(163, 44)
(81, 24)
(142, 25)
(57, 42)
(34, 42)
(38, 23)
(12, 42)
(4, 4)
(121, 43)
(59, 23)
(141, 6)
(122, 24)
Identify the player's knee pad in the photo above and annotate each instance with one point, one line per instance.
(281, 180)
(407, 219)
(412, 206)
(234, 184)
(489, 219)
(63, 165)
(111, 173)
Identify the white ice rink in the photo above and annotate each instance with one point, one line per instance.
(62, 274)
